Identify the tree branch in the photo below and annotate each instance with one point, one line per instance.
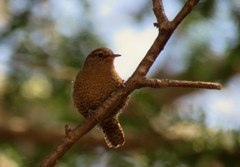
(166, 29)
(67, 142)
(73, 136)
(136, 81)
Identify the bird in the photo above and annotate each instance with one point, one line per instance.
(93, 84)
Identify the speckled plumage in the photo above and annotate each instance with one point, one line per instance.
(93, 85)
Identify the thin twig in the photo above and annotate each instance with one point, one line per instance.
(165, 83)
(159, 12)
(189, 5)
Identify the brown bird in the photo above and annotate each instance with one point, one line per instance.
(96, 81)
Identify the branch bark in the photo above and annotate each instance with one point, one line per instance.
(165, 83)
(136, 81)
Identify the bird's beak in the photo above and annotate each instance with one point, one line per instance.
(117, 55)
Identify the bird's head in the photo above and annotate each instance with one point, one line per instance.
(100, 57)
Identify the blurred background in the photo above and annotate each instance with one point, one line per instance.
(43, 44)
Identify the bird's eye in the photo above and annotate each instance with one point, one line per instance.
(100, 55)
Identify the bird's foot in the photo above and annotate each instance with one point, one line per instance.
(92, 113)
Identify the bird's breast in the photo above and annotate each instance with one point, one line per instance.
(89, 92)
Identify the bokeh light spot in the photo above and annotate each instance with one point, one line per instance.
(37, 86)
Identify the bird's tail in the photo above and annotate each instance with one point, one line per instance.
(113, 132)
